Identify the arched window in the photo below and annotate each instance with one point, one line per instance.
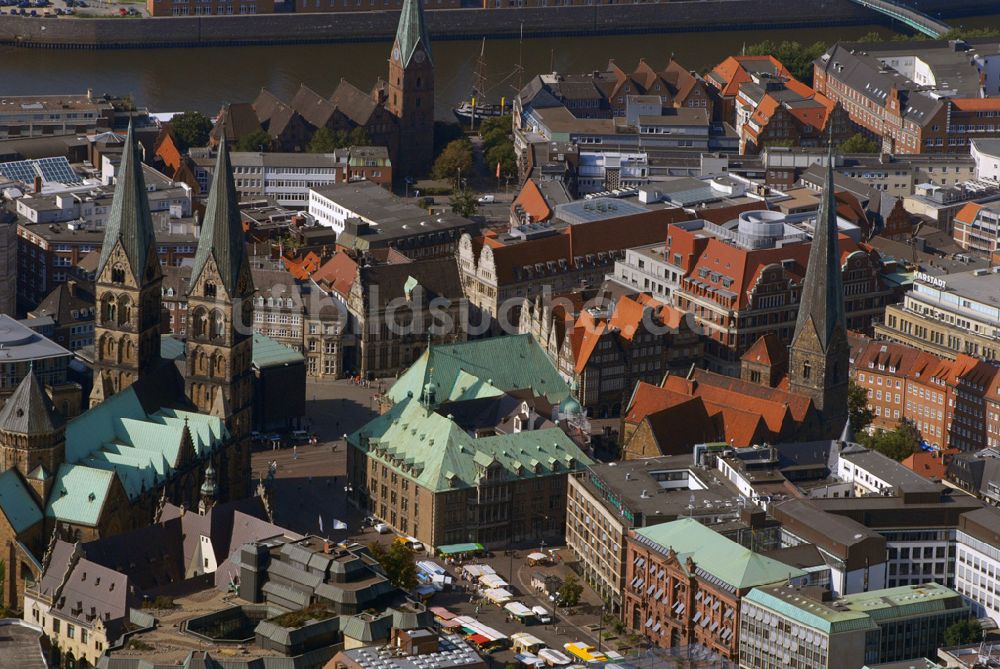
(109, 311)
(218, 365)
(124, 310)
(209, 289)
(128, 350)
(118, 274)
(199, 318)
(806, 370)
(217, 325)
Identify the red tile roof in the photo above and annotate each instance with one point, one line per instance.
(968, 212)
(930, 464)
(337, 274)
(533, 202)
(767, 350)
(732, 73)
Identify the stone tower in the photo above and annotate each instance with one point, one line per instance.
(819, 356)
(209, 491)
(410, 92)
(32, 436)
(127, 328)
(219, 379)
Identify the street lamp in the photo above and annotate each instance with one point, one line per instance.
(600, 630)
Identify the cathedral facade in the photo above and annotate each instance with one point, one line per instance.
(153, 434)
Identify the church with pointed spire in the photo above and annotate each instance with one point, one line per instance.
(819, 355)
(410, 91)
(153, 434)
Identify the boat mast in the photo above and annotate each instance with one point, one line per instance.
(479, 82)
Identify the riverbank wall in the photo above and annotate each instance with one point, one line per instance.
(444, 24)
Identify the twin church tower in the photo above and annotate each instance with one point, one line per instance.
(218, 379)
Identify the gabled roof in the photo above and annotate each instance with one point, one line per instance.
(734, 566)
(16, 502)
(767, 350)
(735, 70)
(337, 274)
(129, 220)
(353, 103)
(511, 362)
(533, 202)
(412, 32)
(312, 106)
(28, 410)
(221, 235)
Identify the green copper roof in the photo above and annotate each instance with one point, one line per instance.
(269, 353)
(129, 220)
(807, 611)
(714, 554)
(171, 348)
(78, 494)
(28, 410)
(505, 363)
(222, 231)
(412, 31)
(438, 454)
(118, 437)
(903, 602)
(16, 502)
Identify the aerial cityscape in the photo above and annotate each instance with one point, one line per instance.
(439, 334)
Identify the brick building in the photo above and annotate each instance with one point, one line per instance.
(685, 583)
(607, 345)
(926, 98)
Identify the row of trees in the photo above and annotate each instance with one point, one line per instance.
(192, 129)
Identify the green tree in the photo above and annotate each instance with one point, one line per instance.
(325, 140)
(455, 159)
(398, 562)
(489, 125)
(797, 57)
(569, 592)
(858, 410)
(858, 143)
(358, 137)
(503, 154)
(191, 129)
(963, 632)
(258, 140)
(444, 134)
(463, 202)
(898, 443)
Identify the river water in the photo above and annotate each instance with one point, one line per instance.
(167, 80)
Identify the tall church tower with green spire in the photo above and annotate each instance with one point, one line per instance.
(819, 356)
(128, 280)
(411, 92)
(219, 379)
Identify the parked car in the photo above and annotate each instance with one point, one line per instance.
(382, 528)
(487, 199)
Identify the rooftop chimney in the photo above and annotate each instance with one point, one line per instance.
(38, 184)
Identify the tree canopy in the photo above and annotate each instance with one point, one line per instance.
(963, 632)
(463, 202)
(325, 140)
(797, 57)
(858, 143)
(898, 443)
(858, 410)
(398, 562)
(191, 129)
(569, 592)
(455, 159)
(258, 140)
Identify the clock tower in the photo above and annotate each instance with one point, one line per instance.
(410, 93)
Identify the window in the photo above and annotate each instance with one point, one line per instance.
(806, 370)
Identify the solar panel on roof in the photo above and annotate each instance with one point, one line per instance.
(51, 170)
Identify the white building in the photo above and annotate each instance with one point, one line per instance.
(986, 153)
(977, 573)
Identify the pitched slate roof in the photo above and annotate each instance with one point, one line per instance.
(734, 566)
(129, 220)
(509, 363)
(412, 32)
(312, 106)
(353, 103)
(29, 410)
(221, 235)
(17, 503)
